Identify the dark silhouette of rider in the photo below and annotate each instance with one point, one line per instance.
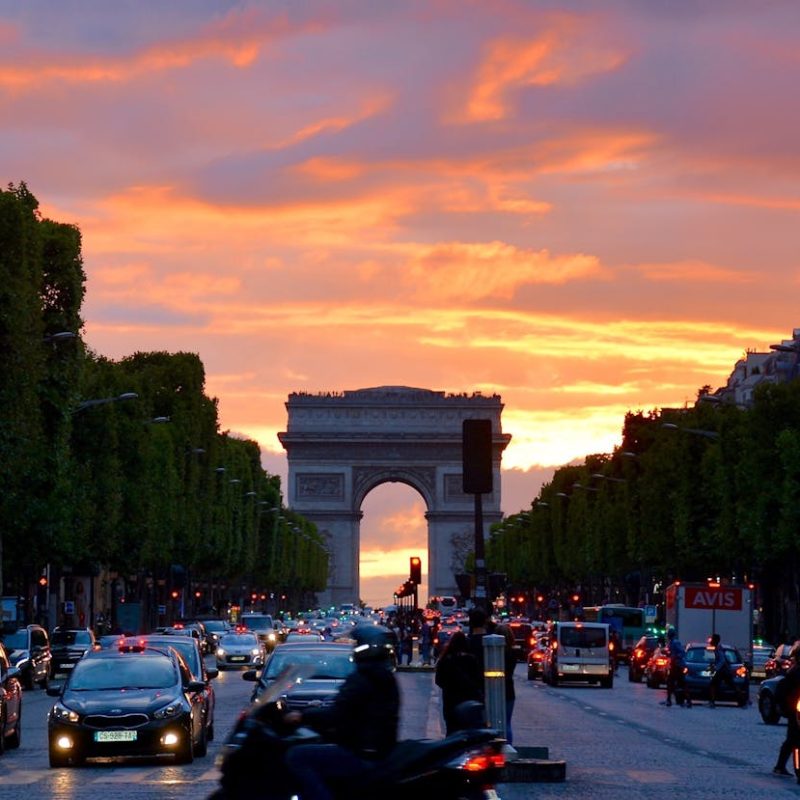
(361, 725)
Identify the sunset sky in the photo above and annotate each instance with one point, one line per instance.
(586, 207)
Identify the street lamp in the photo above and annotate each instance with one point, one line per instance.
(671, 426)
(101, 401)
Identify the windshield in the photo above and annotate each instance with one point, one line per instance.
(16, 641)
(698, 655)
(257, 623)
(583, 637)
(326, 664)
(70, 637)
(123, 673)
(216, 625)
(239, 640)
(187, 648)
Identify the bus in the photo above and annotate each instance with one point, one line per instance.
(626, 620)
(443, 605)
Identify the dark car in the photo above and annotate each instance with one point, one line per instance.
(189, 650)
(332, 662)
(523, 633)
(657, 668)
(769, 705)
(640, 655)
(215, 630)
(263, 627)
(699, 669)
(132, 701)
(28, 649)
(67, 648)
(780, 662)
(536, 657)
(10, 703)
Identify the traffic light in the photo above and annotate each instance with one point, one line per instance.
(415, 570)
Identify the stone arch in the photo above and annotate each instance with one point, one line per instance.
(341, 446)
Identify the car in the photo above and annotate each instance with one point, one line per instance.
(28, 649)
(10, 703)
(263, 627)
(188, 648)
(522, 633)
(578, 651)
(780, 662)
(332, 662)
(135, 700)
(657, 668)
(191, 628)
(769, 705)
(640, 655)
(67, 647)
(536, 657)
(240, 649)
(699, 663)
(215, 629)
(442, 637)
(762, 653)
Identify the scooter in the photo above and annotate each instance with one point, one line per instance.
(463, 766)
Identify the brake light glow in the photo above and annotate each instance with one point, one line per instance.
(483, 761)
(638, 652)
(742, 672)
(661, 662)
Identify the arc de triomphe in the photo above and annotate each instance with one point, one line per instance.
(341, 446)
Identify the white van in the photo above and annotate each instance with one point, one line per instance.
(579, 651)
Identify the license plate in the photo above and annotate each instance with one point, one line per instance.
(115, 736)
(238, 658)
(706, 673)
(67, 666)
(570, 667)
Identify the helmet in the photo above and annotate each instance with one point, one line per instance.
(372, 643)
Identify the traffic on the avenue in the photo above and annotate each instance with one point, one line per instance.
(157, 716)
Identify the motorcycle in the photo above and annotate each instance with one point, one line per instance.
(463, 766)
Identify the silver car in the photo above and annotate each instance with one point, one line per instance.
(240, 650)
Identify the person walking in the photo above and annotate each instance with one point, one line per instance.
(721, 670)
(459, 677)
(425, 642)
(787, 694)
(676, 674)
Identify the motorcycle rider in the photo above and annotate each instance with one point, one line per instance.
(362, 722)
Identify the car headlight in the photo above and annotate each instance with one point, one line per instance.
(64, 714)
(168, 711)
(271, 637)
(255, 651)
(220, 651)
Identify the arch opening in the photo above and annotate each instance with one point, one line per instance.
(393, 528)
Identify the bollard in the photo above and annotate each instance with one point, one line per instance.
(494, 676)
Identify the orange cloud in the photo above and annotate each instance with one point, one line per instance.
(493, 269)
(237, 38)
(694, 272)
(555, 57)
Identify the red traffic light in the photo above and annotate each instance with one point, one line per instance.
(175, 594)
(43, 581)
(415, 570)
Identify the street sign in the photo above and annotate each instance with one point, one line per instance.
(650, 614)
(162, 609)
(69, 606)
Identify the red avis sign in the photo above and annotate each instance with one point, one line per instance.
(722, 599)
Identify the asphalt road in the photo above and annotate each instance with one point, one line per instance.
(617, 743)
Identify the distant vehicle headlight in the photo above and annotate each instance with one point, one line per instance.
(64, 714)
(220, 651)
(255, 651)
(271, 637)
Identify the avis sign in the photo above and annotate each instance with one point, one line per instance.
(723, 598)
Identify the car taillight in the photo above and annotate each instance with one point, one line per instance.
(661, 662)
(638, 652)
(742, 672)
